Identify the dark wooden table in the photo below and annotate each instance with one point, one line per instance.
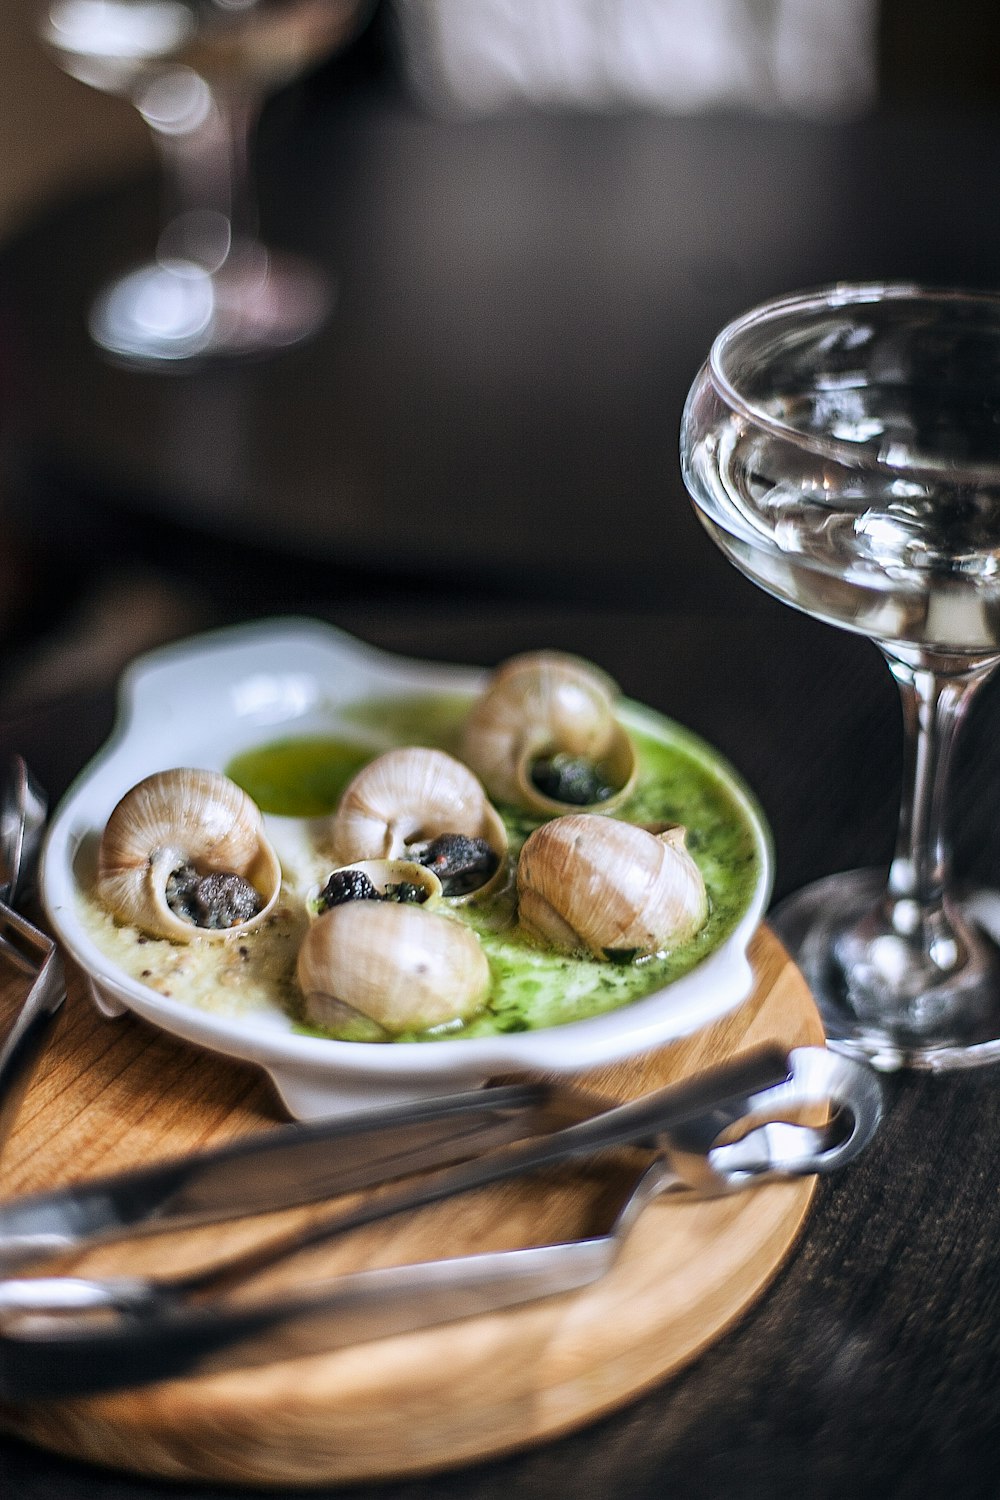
(479, 455)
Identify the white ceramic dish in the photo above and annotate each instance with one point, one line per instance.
(202, 701)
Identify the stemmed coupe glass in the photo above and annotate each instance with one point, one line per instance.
(198, 72)
(842, 447)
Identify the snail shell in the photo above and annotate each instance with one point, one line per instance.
(593, 884)
(408, 796)
(369, 970)
(545, 703)
(168, 820)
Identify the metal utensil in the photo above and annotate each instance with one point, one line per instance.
(33, 953)
(720, 1132)
(22, 820)
(284, 1167)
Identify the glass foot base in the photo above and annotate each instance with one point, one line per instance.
(869, 1001)
(165, 313)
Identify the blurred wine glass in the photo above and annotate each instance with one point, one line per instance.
(198, 72)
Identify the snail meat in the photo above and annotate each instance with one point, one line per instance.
(572, 779)
(352, 884)
(217, 900)
(459, 862)
(346, 885)
(400, 881)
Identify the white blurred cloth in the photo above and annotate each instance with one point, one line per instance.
(478, 57)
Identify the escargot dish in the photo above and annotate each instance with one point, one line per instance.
(544, 736)
(348, 875)
(184, 855)
(612, 889)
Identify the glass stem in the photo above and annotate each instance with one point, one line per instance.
(934, 705)
(240, 116)
(206, 163)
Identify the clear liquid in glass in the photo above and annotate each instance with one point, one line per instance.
(912, 559)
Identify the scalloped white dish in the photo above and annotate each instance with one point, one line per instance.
(202, 702)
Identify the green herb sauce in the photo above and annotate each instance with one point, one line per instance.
(534, 987)
(298, 778)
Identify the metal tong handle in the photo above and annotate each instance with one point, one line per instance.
(641, 1121)
(769, 1144)
(49, 1345)
(283, 1167)
(684, 1121)
(669, 1121)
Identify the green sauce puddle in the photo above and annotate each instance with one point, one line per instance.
(533, 988)
(298, 778)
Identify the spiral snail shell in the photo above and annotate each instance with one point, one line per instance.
(186, 819)
(540, 705)
(593, 884)
(406, 798)
(369, 970)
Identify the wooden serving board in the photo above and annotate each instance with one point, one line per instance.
(115, 1093)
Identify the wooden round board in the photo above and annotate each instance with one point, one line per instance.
(114, 1093)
